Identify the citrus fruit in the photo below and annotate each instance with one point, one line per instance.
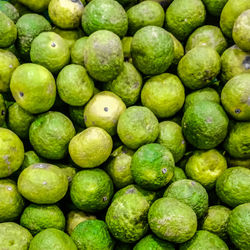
(163, 94)
(172, 220)
(144, 14)
(42, 183)
(207, 35)
(76, 116)
(50, 135)
(239, 226)
(127, 85)
(179, 174)
(232, 186)
(152, 166)
(216, 220)
(84, 146)
(235, 97)
(36, 218)
(183, 16)
(198, 67)
(206, 166)
(126, 47)
(33, 87)
(11, 152)
(191, 193)
(214, 7)
(104, 15)
(65, 14)
(178, 50)
(154, 44)
(92, 234)
(34, 5)
(12, 203)
(77, 54)
(137, 126)
(103, 55)
(2, 110)
(74, 86)
(104, 110)
(9, 63)
(119, 167)
(9, 10)
(205, 124)
(52, 239)
(91, 190)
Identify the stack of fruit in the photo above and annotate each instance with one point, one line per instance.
(124, 124)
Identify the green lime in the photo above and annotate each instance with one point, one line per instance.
(9, 10)
(127, 85)
(34, 5)
(229, 14)
(183, 16)
(92, 234)
(76, 217)
(216, 220)
(91, 147)
(69, 36)
(152, 166)
(14, 236)
(207, 35)
(199, 66)
(151, 242)
(205, 94)
(9, 63)
(11, 152)
(235, 97)
(33, 87)
(119, 167)
(68, 170)
(152, 44)
(204, 240)
(29, 26)
(241, 30)
(50, 50)
(74, 86)
(232, 187)
(103, 111)
(91, 190)
(2, 110)
(172, 220)
(30, 157)
(42, 183)
(179, 174)
(66, 14)
(234, 61)
(163, 94)
(239, 226)
(77, 51)
(238, 139)
(12, 203)
(191, 193)
(205, 124)
(8, 31)
(50, 135)
(127, 217)
(132, 189)
(36, 218)
(178, 50)
(19, 120)
(104, 15)
(126, 46)
(206, 166)
(214, 7)
(52, 239)
(144, 14)
(137, 126)
(103, 55)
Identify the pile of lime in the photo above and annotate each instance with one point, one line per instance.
(124, 124)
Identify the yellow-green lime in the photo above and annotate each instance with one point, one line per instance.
(11, 152)
(77, 54)
(74, 85)
(34, 5)
(91, 147)
(179, 174)
(178, 50)
(2, 110)
(42, 183)
(205, 167)
(12, 203)
(126, 46)
(9, 10)
(33, 87)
